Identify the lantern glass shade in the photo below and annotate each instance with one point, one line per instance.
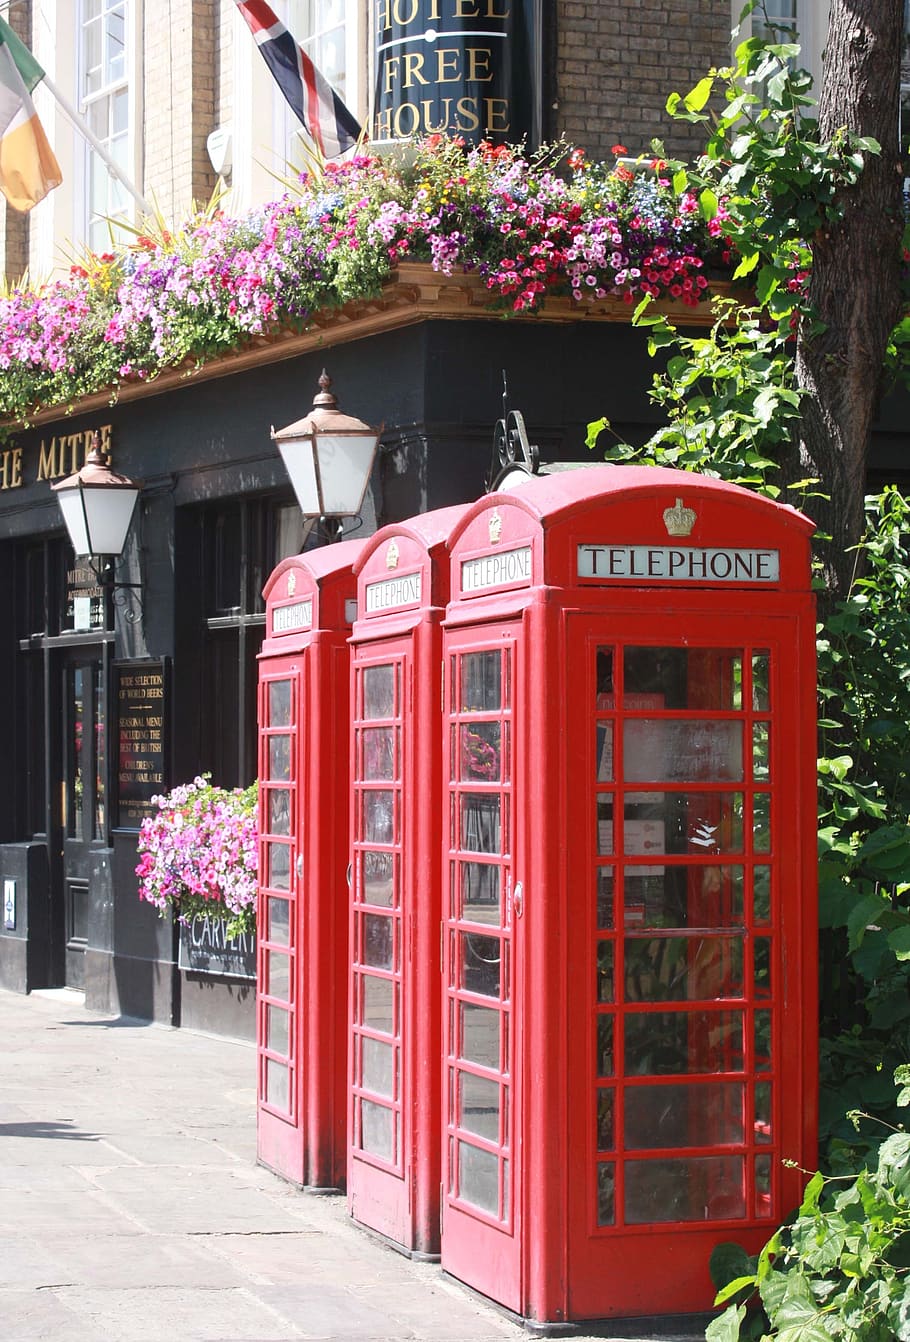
(328, 457)
(330, 471)
(97, 517)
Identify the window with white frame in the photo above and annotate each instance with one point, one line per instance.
(105, 103)
(331, 32)
(801, 21)
(775, 21)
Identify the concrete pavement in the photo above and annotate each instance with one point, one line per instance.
(132, 1208)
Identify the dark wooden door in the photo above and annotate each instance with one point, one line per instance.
(83, 797)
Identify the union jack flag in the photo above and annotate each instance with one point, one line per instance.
(314, 102)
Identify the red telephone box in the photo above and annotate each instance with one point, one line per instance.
(304, 736)
(394, 1117)
(629, 904)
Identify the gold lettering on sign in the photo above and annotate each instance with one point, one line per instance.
(405, 12)
(66, 453)
(11, 468)
(434, 67)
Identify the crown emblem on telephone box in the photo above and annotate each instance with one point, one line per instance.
(678, 520)
(391, 555)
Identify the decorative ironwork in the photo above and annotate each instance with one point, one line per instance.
(511, 448)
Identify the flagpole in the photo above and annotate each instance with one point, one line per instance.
(78, 122)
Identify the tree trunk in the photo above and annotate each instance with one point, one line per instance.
(854, 289)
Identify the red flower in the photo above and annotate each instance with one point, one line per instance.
(619, 149)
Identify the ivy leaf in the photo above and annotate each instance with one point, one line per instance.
(729, 1262)
(768, 280)
(726, 1328)
(894, 1162)
(862, 916)
(813, 1192)
(889, 837)
(765, 404)
(741, 145)
(746, 265)
(595, 429)
(798, 1319)
(695, 101)
(838, 766)
(899, 941)
(899, 1316)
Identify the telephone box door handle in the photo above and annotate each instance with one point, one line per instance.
(518, 899)
(349, 873)
(299, 865)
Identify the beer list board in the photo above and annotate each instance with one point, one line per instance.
(139, 689)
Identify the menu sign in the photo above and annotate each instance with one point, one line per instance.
(140, 699)
(206, 949)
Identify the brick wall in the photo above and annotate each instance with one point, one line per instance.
(616, 62)
(13, 224)
(180, 76)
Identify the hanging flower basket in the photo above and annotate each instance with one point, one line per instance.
(199, 854)
(519, 234)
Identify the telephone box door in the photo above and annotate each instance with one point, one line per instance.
(382, 1117)
(686, 1062)
(279, 1033)
(481, 1019)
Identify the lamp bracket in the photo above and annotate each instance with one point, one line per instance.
(510, 442)
(103, 574)
(331, 527)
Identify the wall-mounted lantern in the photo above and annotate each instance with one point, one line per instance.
(329, 457)
(97, 506)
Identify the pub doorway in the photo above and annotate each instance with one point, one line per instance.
(58, 753)
(83, 796)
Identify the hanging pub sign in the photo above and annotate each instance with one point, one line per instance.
(140, 699)
(84, 600)
(458, 67)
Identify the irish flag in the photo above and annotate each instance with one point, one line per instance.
(28, 169)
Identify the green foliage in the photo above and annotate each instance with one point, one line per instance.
(732, 404)
(729, 397)
(764, 164)
(839, 1269)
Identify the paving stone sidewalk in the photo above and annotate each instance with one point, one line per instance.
(132, 1208)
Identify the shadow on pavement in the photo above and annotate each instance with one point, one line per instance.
(121, 1023)
(52, 1130)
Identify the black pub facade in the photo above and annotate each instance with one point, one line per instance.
(113, 695)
